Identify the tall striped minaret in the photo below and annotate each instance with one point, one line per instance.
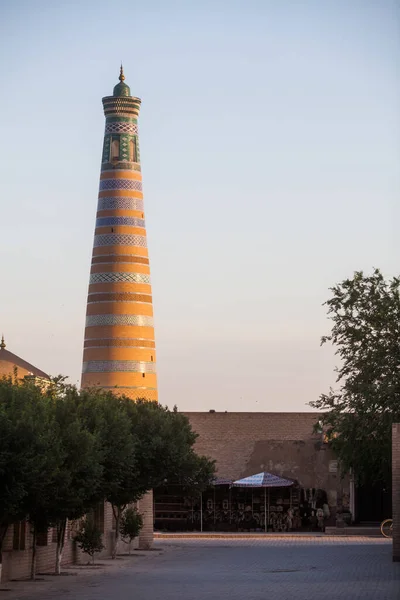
(119, 347)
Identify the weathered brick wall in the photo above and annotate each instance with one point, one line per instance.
(282, 443)
(396, 490)
(16, 564)
(145, 507)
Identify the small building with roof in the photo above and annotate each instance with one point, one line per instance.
(12, 365)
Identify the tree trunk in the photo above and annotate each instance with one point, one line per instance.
(117, 510)
(3, 531)
(33, 562)
(61, 528)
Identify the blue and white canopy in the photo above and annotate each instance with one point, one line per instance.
(264, 480)
(222, 481)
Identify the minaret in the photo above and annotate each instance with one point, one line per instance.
(119, 347)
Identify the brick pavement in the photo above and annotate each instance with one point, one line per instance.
(255, 569)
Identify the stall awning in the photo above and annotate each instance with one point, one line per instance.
(264, 479)
(222, 481)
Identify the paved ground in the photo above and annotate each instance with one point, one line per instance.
(256, 569)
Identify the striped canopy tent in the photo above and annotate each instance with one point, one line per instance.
(264, 480)
(222, 481)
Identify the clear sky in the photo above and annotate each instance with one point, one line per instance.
(270, 147)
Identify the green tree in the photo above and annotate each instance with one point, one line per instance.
(197, 474)
(143, 444)
(106, 416)
(131, 524)
(54, 473)
(17, 459)
(165, 447)
(358, 415)
(76, 486)
(40, 494)
(62, 451)
(89, 538)
(28, 452)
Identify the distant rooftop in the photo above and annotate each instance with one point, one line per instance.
(9, 357)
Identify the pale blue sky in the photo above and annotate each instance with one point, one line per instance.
(270, 146)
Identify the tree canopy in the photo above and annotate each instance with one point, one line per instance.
(63, 450)
(358, 415)
(25, 437)
(143, 443)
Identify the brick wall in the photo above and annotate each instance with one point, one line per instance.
(396, 490)
(145, 507)
(281, 443)
(16, 564)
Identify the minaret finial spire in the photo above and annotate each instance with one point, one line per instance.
(121, 89)
(2, 344)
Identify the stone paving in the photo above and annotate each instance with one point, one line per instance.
(316, 568)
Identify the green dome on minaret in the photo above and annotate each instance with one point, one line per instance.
(121, 89)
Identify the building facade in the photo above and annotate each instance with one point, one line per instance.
(119, 345)
(244, 444)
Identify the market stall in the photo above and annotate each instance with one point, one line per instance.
(259, 503)
(254, 503)
(278, 518)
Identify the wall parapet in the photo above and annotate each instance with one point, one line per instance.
(396, 490)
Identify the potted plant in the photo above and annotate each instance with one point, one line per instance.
(343, 517)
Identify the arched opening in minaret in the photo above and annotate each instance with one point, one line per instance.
(132, 150)
(115, 150)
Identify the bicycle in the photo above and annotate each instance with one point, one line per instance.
(387, 528)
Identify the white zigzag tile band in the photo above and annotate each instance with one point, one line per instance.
(131, 320)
